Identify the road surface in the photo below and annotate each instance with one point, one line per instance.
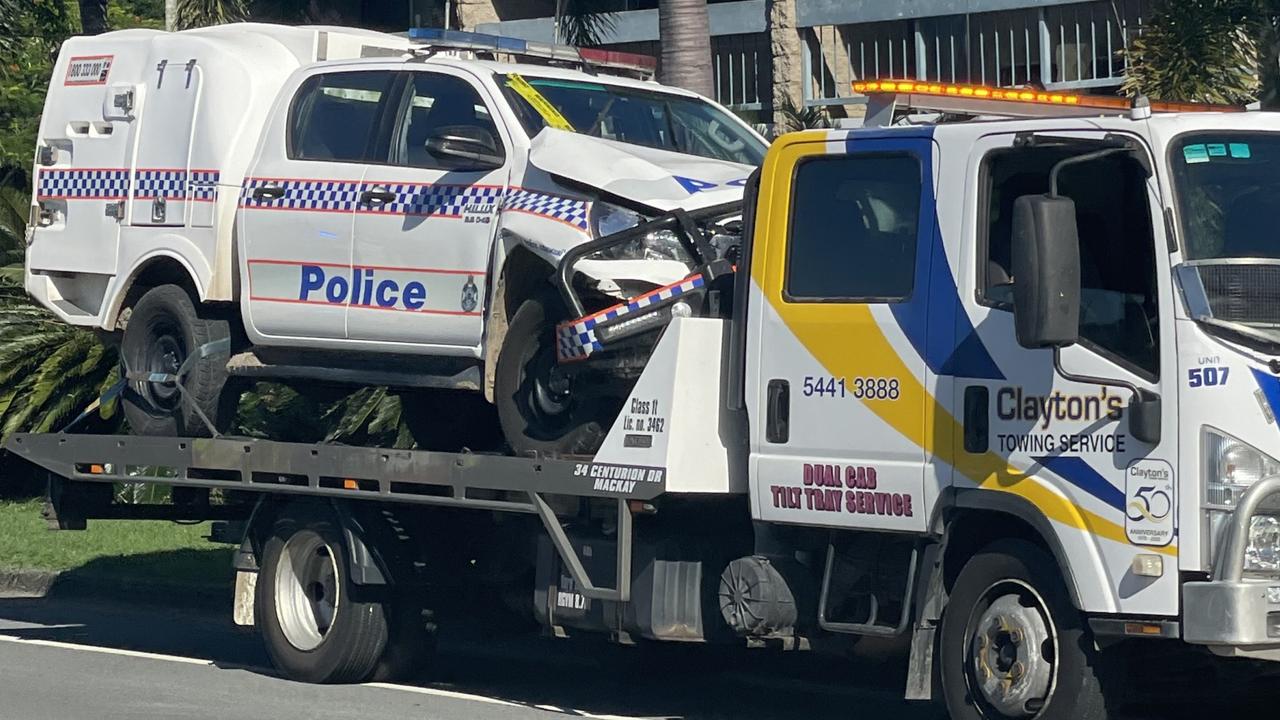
(68, 659)
(64, 659)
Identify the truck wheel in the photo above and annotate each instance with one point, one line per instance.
(165, 329)
(539, 408)
(1012, 644)
(316, 627)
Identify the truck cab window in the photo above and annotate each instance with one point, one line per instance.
(334, 116)
(854, 222)
(1118, 303)
(441, 105)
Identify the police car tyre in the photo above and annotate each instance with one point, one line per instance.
(537, 416)
(1008, 601)
(315, 624)
(163, 330)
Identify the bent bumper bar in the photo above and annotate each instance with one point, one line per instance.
(1233, 614)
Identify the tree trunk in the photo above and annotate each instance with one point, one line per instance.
(170, 15)
(93, 17)
(686, 45)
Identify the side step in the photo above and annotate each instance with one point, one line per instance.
(361, 368)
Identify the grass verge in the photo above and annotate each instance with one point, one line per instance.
(127, 552)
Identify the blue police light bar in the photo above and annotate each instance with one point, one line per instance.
(458, 38)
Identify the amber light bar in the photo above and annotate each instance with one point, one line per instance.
(1025, 95)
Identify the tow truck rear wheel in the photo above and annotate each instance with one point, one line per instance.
(541, 409)
(163, 330)
(1013, 646)
(316, 625)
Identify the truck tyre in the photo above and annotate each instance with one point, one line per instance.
(316, 626)
(1012, 645)
(539, 408)
(163, 330)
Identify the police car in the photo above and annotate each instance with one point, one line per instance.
(355, 207)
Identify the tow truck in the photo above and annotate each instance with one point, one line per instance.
(1004, 388)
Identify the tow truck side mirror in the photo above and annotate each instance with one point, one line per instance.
(1046, 271)
(468, 148)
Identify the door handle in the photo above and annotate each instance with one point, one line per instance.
(376, 197)
(268, 192)
(778, 420)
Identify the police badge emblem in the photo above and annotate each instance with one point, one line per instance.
(470, 295)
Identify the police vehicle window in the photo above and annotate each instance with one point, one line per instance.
(442, 105)
(639, 117)
(334, 116)
(1118, 303)
(854, 221)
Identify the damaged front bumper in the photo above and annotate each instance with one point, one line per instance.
(587, 334)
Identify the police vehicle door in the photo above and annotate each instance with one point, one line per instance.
(837, 400)
(298, 204)
(1064, 444)
(425, 221)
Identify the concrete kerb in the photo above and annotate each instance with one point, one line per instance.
(29, 583)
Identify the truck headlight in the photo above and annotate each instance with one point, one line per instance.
(1230, 467)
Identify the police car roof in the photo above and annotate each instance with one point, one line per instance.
(450, 59)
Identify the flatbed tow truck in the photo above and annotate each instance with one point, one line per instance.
(991, 386)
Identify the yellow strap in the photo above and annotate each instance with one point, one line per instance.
(544, 107)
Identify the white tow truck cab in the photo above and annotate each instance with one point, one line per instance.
(368, 208)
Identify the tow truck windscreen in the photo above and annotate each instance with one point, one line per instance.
(1228, 194)
(653, 119)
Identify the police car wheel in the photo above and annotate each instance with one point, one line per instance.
(163, 330)
(1013, 646)
(315, 624)
(539, 408)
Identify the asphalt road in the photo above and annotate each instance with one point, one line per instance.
(66, 659)
(69, 659)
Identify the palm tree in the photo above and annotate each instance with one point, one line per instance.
(93, 16)
(582, 22)
(685, 33)
(1200, 51)
(202, 13)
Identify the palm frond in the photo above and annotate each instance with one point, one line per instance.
(1197, 51)
(585, 23)
(203, 13)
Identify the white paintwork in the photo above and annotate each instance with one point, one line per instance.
(218, 100)
(664, 423)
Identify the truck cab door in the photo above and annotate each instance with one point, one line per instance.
(836, 392)
(424, 221)
(298, 204)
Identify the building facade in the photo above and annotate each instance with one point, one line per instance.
(772, 58)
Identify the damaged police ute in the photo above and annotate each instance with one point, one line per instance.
(339, 206)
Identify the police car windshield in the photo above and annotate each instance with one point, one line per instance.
(640, 117)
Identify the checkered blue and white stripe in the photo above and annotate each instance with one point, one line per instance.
(95, 183)
(168, 184)
(576, 339)
(570, 210)
(318, 195)
(114, 183)
(413, 199)
(445, 200)
(204, 184)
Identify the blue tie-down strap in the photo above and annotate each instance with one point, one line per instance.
(125, 387)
